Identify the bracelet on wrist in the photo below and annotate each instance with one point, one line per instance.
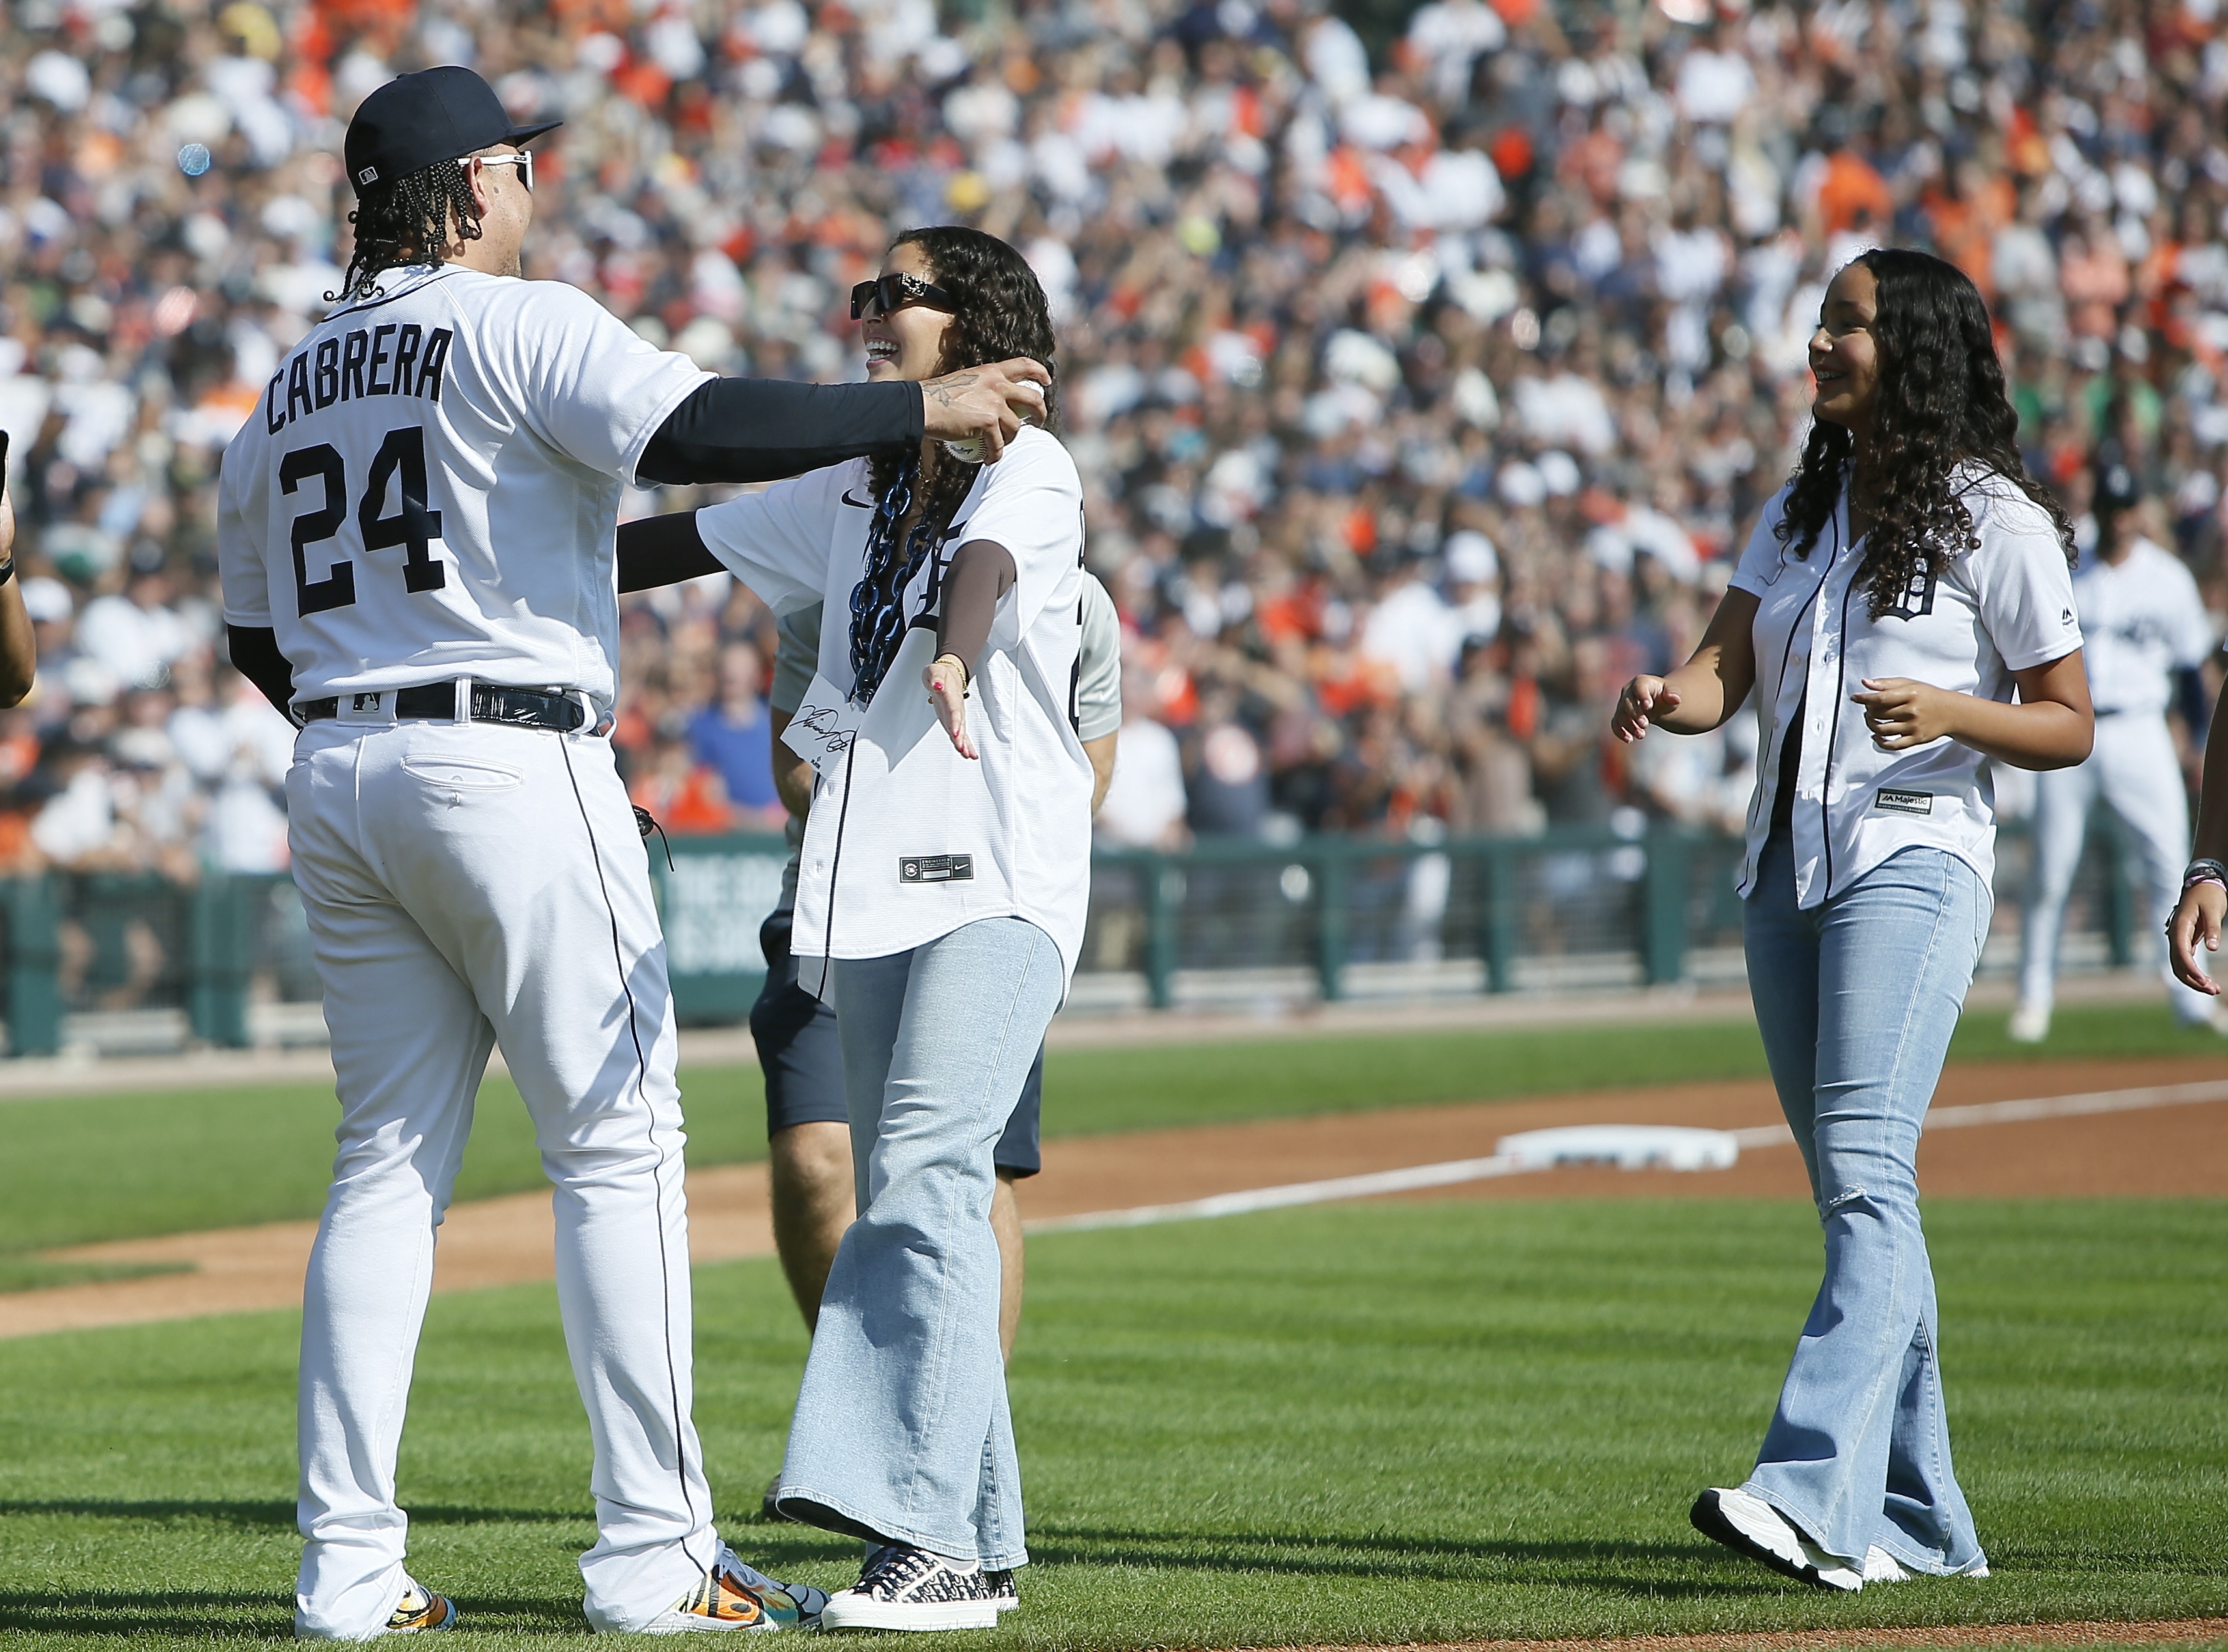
(2205, 871)
(966, 676)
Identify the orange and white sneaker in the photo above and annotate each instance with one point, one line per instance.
(733, 1596)
(420, 1611)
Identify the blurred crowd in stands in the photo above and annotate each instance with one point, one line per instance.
(1423, 387)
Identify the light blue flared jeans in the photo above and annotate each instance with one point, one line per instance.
(1857, 999)
(902, 1432)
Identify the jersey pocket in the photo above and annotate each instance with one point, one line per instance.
(462, 773)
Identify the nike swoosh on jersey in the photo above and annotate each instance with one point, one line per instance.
(863, 504)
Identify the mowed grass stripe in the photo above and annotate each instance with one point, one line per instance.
(87, 1168)
(1380, 1424)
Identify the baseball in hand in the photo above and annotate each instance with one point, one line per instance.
(973, 451)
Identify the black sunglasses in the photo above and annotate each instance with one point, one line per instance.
(880, 297)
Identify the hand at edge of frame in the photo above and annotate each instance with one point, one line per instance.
(2196, 916)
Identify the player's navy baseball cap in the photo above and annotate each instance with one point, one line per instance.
(415, 120)
(2115, 489)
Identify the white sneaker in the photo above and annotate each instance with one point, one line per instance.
(1753, 1526)
(2030, 1024)
(905, 1588)
(1880, 1566)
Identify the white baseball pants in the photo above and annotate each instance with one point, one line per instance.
(471, 884)
(2134, 770)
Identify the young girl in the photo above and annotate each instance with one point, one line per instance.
(940, 905)
(1904, 610)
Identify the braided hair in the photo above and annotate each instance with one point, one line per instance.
(407, 222)
(1941, 405)
(1001, 313)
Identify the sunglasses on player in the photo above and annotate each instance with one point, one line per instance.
(524, 160)
(888, 292)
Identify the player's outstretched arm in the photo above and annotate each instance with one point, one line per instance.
(763, 429)
(255, 656)
(662, 550)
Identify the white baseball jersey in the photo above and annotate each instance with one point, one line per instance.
(907, 840)
(2005, 607)
(430, 487)
(2138, 622)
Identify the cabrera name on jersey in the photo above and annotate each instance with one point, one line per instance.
(430, 486)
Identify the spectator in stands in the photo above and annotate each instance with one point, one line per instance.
(1529, 274)
(732, 738)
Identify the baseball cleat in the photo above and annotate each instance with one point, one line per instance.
(901, 1587)
(2030, 1024)
(420, 1611)
(733, 1596)
(1750, 1526)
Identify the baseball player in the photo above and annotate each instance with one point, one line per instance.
(2145, 624)
(415, 536)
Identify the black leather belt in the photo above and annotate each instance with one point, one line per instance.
(521, 707)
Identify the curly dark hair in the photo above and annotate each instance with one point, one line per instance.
(1001, 313)
(406, 222)
(1941, 405)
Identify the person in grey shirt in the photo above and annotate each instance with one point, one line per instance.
(808, 1129)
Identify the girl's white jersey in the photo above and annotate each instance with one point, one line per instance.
(2005, 607)
(907, 841)
(430, 485)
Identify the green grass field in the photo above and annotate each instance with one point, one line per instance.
(1373, 1424)
(82, 1169)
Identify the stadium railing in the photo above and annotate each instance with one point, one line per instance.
(131, 961)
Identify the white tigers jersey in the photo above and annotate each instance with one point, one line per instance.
(430, 486)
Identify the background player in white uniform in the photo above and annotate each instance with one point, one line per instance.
(416, 540)
(2142, 621)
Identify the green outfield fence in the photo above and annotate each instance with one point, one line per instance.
(222, 962)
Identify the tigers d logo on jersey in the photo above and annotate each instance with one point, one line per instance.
(1917, 598)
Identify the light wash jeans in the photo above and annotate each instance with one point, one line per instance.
(902, 1432)
(1857, 999)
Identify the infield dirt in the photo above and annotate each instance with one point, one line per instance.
(2179, 1150)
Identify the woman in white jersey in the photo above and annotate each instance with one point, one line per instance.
(940, 905)
(1904, 610)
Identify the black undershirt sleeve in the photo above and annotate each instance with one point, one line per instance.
(662, 550)
(255, 656)
(980, 572)
(762, 430)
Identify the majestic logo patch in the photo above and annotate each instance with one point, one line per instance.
(1904, 802)
(936, 868)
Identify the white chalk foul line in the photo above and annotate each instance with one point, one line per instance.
(1455, 1171)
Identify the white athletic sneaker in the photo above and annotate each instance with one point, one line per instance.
(904, 1588)
(1880, 1566)
(733, 1596)
(2030, 1024)
(1753, 1526)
